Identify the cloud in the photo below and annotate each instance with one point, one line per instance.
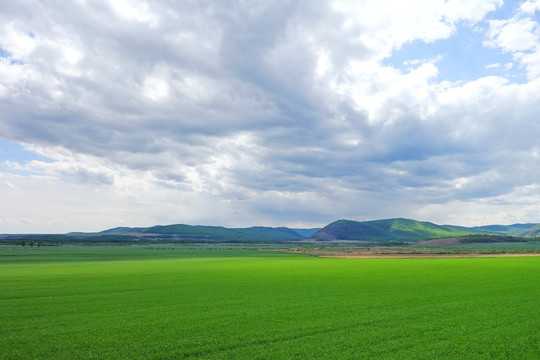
(529, 6)
(262, 112)
(519, 36)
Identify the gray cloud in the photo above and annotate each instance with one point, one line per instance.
(247, 99)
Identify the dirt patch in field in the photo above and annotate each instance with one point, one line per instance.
(416, 256)
(402, 252)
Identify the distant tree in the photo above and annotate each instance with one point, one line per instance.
(31, 243)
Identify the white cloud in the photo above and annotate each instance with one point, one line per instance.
(387, 25)
(519, 36)
(138, 11)
(513, 35)
(530, 6)
(472, 11)
(273, 113)
(18, 40)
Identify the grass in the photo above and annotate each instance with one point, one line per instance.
(135, 302)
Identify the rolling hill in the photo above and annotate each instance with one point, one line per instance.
(407, 230)
(197, 232)
(216, 233)
(181, 232)
(532, 232)
(508, 230)
(385, 230)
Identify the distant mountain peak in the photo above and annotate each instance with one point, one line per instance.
(409, 230)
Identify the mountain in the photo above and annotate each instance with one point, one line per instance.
(223, 233)
(408, 230)
(122, 230)
(503, 230)
(196, 232)
(213, 233)
(386, 230)
(532, 232)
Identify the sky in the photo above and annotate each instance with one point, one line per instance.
(273, 113)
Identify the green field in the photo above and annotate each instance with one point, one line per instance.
(132, 302)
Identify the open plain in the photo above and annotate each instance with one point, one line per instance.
(134, 302)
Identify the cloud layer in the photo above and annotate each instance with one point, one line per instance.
(272, 113)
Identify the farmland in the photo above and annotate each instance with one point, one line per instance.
(230, 303)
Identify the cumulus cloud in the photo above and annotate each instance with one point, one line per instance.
(262, 112)
(529, 6)
(519, 36)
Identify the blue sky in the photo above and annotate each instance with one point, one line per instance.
(16, 152)
(463, 56)
(136, 113)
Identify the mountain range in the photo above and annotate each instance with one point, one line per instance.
(213, 233)
(398, 229)
(407, 230)
(385, 230)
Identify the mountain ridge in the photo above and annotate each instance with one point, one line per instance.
(401, 230)
(408, 230)
(215, 233)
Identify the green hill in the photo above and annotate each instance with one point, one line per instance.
(219, 233)
(533, 232)
(387, 230)
(198, 232)
(121, 230)
(507, 230)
